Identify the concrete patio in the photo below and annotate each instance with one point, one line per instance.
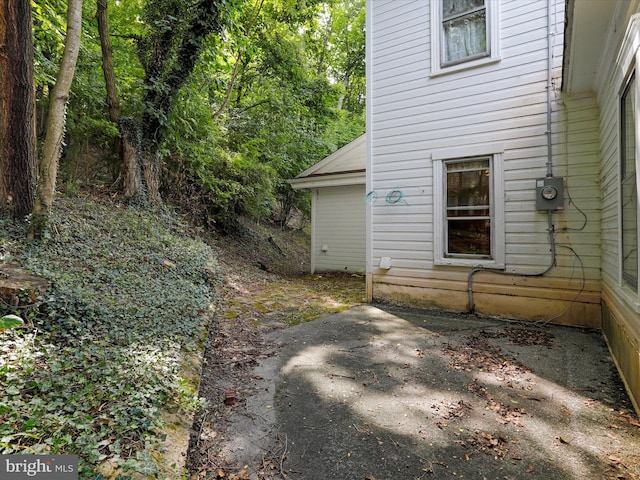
(388, 393)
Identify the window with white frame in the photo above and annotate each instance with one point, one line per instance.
(628, 190)
(464, 34)
(468, 210)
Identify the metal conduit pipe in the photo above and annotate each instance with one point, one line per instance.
(552, 244)
(550, 227)
(550, 35)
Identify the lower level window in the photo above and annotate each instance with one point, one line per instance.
(468, 211)
(469, 206)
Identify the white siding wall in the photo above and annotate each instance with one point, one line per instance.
(339, 223)
(412, 114)
(621, 323)
(608, 92)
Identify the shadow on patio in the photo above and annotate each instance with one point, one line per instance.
(386, 393)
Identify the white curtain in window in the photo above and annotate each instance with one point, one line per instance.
(465, 36)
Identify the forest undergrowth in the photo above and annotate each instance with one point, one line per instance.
(133, 297)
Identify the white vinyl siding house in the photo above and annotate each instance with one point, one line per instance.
(549, 112)
(338, 209)
(338, 223)
(423, 112)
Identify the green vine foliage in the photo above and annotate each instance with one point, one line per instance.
(103, 349)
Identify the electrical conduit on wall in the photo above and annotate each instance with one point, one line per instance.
(550, 227)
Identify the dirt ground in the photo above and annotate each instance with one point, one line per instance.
(265, 284)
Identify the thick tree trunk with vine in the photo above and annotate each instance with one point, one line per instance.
(56, 119)
(168, 54)
(17, 109)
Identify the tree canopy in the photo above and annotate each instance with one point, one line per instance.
(224, 100)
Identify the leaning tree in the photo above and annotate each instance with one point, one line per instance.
(56, 119)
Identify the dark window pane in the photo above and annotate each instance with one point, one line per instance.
(468, 212)
(468, 183)
(468, 188)
(469, 237)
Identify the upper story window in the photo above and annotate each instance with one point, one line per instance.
(464, 31)
(464, 34)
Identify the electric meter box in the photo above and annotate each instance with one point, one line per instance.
(550, 193)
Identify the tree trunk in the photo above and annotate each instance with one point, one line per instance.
(168, 56)
(345, 84)
(17, 109)
(113, 104)
(131, 172)
(56, 119)
(107, 61)
(4, 195)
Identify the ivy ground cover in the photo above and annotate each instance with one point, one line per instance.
(102, 352)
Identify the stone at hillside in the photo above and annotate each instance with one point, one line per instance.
(18, 287)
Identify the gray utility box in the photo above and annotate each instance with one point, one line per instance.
(550, 193)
